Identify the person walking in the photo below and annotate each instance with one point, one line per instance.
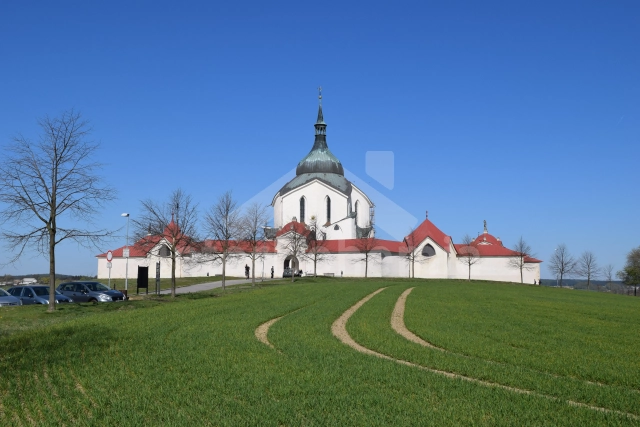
(272, 271)
(246, 270)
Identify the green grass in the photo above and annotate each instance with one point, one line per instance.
(194, 360)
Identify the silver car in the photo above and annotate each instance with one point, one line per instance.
(90, 291)
(36, 294)
(6, 299)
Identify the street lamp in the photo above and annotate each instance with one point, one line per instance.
(126, 255)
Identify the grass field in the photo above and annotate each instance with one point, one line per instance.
(194, 360)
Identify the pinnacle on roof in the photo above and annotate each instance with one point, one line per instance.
(320, 159)
(320, 120)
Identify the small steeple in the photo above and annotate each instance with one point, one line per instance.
(321, 126)
(320, 159)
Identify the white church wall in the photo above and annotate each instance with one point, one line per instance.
(278, 220)
(394, 266)
(357, 196)
(431, 267)
(497, 269)
(315, 194)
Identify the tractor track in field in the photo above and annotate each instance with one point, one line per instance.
(262, 331)
(339, 330)
(398, 325)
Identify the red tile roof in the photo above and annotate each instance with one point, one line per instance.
(299, 228)
(353, 245)
(428, 229)
(489, 250)
(263, 247)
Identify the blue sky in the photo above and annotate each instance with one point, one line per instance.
(524, 114)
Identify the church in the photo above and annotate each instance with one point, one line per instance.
(332, 221)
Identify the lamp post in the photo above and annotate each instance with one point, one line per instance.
(126, 255)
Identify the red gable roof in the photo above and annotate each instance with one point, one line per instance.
(299, 228)
(428, 229)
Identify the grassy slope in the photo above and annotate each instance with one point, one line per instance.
(196, 361)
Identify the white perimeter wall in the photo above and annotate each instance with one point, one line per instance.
(498, 269)
(350, 264)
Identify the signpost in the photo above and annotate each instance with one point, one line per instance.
(109, 259)
(158, 278)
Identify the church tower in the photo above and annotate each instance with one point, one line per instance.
(321, 191)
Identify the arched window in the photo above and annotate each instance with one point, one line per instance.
(164, 251)
(356, 211)
(328, 210)
(301, 209)
(428, 250)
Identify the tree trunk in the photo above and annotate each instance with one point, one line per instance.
(173, 275)
(521, 267)
(366, 266)
(315, 262)
(293, 270)
(224, 270)
(253, 270)
(52, 271)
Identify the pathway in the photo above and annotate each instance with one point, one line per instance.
(208, 286)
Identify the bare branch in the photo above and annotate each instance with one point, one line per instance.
(317, 247)
(587, 266)
(252, 241)
(562, 263)
(51, 187)
(519, 261)
(468, 254)
(171, 224)
(223, 224)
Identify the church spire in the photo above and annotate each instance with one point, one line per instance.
(320, 159)
(321, 126)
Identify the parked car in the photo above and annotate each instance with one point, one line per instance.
(288, 271)
(36, 294)
(90, 291)
(6, 299)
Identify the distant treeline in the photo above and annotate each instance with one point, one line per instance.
(615, 286)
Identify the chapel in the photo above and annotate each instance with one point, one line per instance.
(334, 222)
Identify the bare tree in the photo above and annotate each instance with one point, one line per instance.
(587, 266)
(468, 254)
(252, 241)
(223, 224)
(519, 261)
(50, 188)
(412, 256)
(365, 246)
(562, 263)
(607, 272)
(316, 243)
(172, 224)
(295, 245)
